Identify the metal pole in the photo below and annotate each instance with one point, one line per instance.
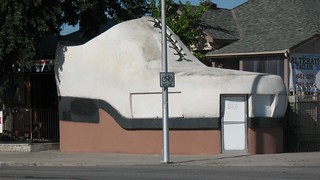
(165, 114)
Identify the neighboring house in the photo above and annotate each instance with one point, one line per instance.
(277, 37)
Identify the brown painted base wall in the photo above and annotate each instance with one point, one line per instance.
(265, 140)
(109, 137)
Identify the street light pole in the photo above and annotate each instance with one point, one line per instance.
(165, 114)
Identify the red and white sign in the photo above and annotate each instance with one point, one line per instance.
(1, 122)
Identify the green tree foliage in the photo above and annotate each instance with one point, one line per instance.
(90, 14)
(183, 19)
(22, 24)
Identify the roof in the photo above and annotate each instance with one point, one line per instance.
(271, 26)
(220, 24)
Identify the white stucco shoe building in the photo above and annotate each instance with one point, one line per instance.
(110, 99)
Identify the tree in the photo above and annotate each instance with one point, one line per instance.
(183, 19)
(23, 23)
(90, 14)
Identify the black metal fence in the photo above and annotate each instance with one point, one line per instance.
(30, 125)
(302, 127)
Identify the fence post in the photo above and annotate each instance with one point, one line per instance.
(31, 125)
(1, 121)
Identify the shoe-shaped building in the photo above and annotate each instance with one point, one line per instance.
(111, 99)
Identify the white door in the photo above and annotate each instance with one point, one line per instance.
(233, 123)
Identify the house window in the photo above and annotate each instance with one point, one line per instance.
(270, 65)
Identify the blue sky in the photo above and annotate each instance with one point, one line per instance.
(228, 4)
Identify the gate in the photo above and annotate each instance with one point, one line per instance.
(302, 127)
(30, 125)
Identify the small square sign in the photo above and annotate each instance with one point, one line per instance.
(167, 79)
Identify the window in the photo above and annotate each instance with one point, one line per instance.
(270, 65)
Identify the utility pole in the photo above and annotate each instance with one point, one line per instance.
(164, 69)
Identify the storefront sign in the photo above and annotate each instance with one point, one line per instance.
(304, 71)
(1, 122)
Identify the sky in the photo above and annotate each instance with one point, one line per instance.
(227, 4)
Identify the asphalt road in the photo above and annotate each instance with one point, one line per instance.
(142, 172)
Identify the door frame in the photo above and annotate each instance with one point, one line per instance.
(245, 97)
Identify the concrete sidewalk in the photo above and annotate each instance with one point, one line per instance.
(57, 158)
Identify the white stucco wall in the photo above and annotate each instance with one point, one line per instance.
(121, 66)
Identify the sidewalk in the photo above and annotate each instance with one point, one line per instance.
(57, 158)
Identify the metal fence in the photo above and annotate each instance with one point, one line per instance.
(302, 127)
(30, 125)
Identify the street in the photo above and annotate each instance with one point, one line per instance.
(159, 172)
